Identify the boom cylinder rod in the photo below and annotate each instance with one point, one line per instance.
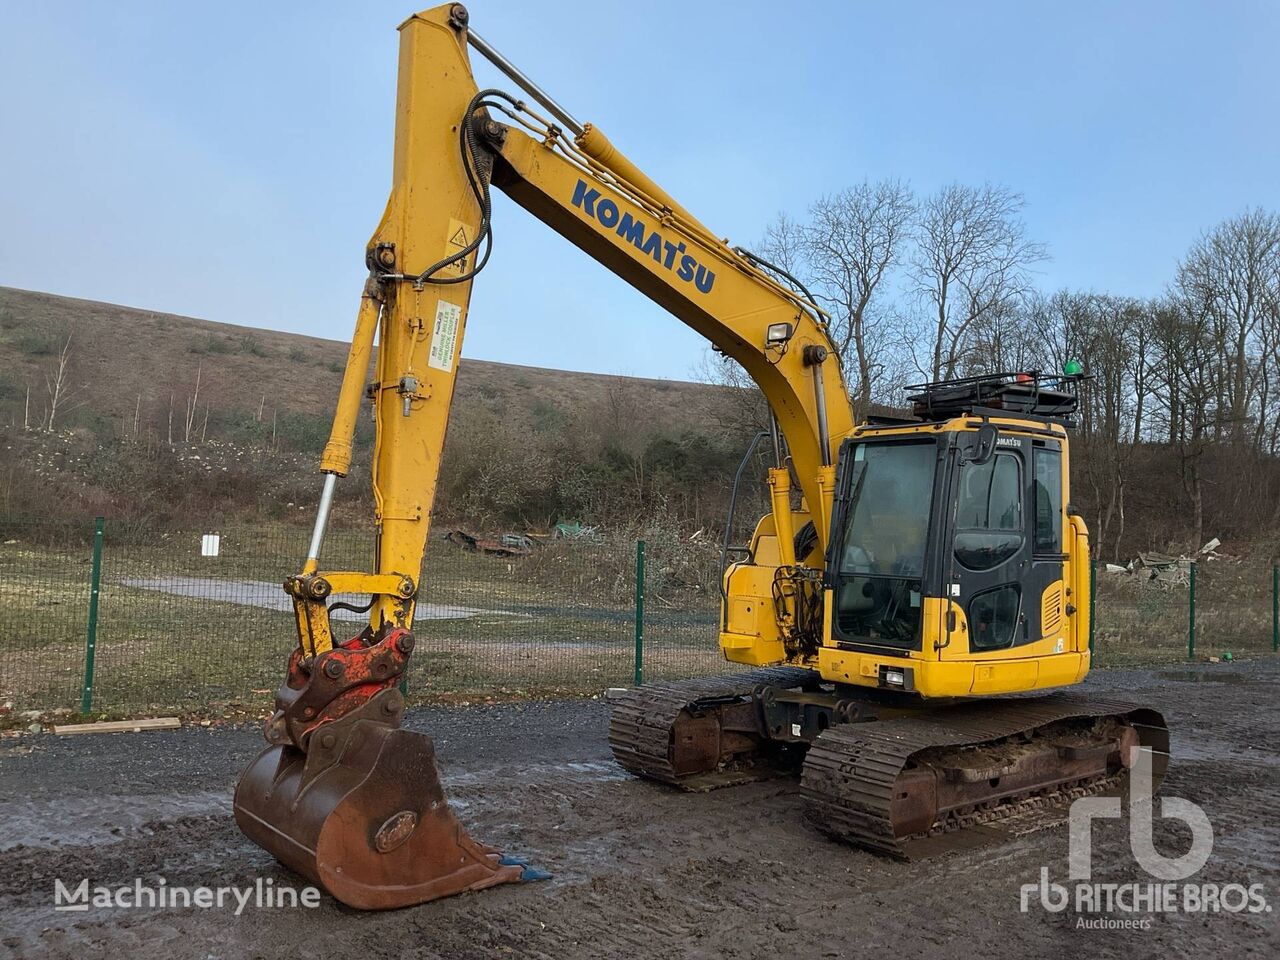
(783, 522)
(322, 521)
(525, 84)
(815, 356)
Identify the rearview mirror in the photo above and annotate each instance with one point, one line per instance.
(983, 446)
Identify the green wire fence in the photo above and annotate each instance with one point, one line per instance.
(109, 617)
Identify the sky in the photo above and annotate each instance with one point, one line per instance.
(229, 161)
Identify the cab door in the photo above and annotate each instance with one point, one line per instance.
(1046, 580)
(986, 569)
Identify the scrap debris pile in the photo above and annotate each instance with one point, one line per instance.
(1166, 570)
(506, 545)
(519, 544)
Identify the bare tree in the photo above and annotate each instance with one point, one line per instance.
(58, 386)
(851, 241)
(740, 409)
(843, 251)
(624, 424)
(971, 260)
(1003, 340)
(1229, 276)
(783, 244)
(1269, 423)
(1186, 389)
(1112, 337)
(193, 403)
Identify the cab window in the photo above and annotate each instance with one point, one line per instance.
(886, 535)
(1047, 469)
(989, 522)
(993, 618)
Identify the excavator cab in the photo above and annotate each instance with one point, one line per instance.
(972, 516)
(955, 569)
(953, 565)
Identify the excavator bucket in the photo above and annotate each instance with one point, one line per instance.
(361, 811)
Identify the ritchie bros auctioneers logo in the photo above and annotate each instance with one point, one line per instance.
(1110, 906)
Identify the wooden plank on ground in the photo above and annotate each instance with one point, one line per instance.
(119, 726)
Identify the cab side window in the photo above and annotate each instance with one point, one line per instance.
(1047, 470)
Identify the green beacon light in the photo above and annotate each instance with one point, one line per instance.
(1072, 368)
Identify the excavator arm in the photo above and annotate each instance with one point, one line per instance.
(342, 794)
(453, 143)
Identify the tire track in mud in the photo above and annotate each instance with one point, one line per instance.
(48, 824)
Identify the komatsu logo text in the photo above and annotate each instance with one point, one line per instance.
(665, 253)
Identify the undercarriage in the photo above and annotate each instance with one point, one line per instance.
(894, 775)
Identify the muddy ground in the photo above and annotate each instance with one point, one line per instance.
(640, 871)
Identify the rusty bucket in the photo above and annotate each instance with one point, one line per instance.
(374, 829)
(361, 811)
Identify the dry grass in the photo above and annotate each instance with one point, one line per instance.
(158, 648)
(1141, 623)
(125, 357)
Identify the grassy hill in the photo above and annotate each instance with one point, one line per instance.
(162, 416)
(125, 360)
(527, 445)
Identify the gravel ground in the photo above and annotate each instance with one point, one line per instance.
(639, 870)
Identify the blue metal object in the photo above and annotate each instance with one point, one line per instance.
(528, 874)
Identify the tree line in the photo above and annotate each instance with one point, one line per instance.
(1183, 391)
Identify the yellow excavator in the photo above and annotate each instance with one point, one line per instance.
(909, 572)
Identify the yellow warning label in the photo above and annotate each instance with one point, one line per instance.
(457, 238)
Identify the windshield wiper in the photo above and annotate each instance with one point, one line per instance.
(855, 485)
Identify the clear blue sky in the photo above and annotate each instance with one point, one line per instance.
(229, 160)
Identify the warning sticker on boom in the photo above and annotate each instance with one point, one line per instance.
(456, 241)
(444, 335)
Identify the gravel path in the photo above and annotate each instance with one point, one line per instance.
(269, 596)
(640, 871)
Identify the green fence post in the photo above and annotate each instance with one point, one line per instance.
(1191, 615)
(639, 664)
(1275, 608)
(91, 634)
(1093, 606)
